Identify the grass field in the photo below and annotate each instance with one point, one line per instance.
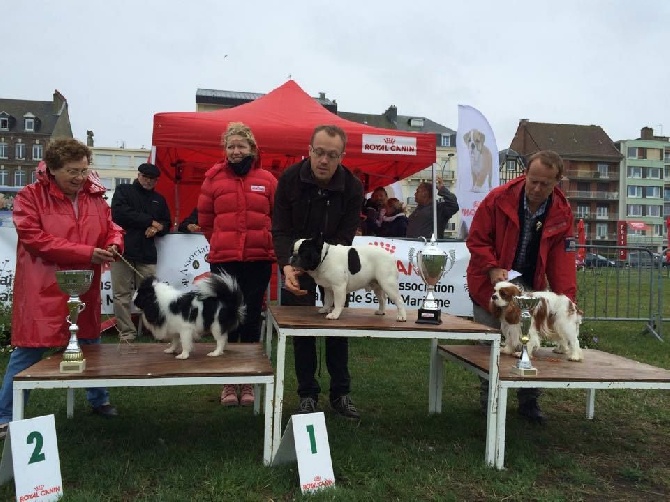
(180, 444)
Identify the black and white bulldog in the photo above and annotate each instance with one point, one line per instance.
(342, 269)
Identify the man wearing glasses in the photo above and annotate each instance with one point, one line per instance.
(317, 196)
(144, 215)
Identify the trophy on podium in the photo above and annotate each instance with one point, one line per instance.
(431, 262)
(523, 366)
(74, 283)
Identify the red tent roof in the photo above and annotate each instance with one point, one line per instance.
(188, 143)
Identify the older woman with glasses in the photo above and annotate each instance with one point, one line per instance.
(62, 222)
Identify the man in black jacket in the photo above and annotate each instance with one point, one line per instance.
(144, 215)
(317, 196)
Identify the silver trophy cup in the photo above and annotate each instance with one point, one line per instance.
(74, 283)
(431, 263)
(527, 304)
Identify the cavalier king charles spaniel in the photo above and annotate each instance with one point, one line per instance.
(556, 318)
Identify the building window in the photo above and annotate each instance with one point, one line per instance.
(603, 171)
(634, 210)
(37, 152)
(33, 176)
(20, 151)
(4, 150)
(582, 211)
(654, 211)
(103, 160)
(122, 181)
(654, 173)
(601, 230)
(634, 191)
(4, 177)
(4, 124)
(632, 152)
(445, 140)
(601, 212)
(19, 178)
(635, 172)
(652, 192)
(657, 230)
(30, 125)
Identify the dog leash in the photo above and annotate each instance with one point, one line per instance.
(116, 253)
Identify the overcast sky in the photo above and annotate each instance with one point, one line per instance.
(118, 62)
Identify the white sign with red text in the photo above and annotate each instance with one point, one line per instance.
(30, 455)
(387, 144)
(181, 261)
(306, 440)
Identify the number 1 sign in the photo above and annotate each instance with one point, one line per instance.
(30, 454)
(306, 440)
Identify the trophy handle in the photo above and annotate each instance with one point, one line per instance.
(452, 256)
(82, 306)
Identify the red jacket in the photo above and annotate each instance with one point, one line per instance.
(51, 237)
(494, 235)
(235, 213)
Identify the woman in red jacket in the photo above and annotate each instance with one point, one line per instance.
(62, 222)
(235, 214)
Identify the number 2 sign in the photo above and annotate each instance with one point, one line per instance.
(306, 440)
(30, 455)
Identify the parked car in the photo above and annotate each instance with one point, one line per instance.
(643, 259)
(593, 260)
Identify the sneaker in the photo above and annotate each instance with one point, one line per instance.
(307, 405)
(105, 410)
(229, 396)
(247, 395)
(345, 407)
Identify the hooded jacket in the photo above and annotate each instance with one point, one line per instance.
(235, 213)
(304, 210)
(494, 236)
(51, 236)
(134, 208)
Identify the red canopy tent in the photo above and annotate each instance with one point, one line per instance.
(187, 144)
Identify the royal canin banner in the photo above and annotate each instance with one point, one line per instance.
(391, 145)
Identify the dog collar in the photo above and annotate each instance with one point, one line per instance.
(324, 254)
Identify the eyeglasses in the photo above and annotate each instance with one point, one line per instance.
(74, 173)
(320, 152)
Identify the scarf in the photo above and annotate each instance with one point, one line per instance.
(242, 167)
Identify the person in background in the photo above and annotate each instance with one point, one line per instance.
(420, 222)
(144, 214)
(235, 213)
(317, 196)
(373, 210)
(524, 225)
(394, 220)
(190, 224)
(62, 223)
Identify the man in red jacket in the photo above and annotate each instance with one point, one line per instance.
(525, 225)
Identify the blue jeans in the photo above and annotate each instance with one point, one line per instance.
(24, 357)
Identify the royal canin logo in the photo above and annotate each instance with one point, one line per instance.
(389, 141)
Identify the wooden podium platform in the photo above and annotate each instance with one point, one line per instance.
(599, 370)
(361, 322)
(146, 365)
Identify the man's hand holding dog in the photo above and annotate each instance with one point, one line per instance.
(291, 280)
(497, 275)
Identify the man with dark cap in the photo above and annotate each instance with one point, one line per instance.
(144, 215)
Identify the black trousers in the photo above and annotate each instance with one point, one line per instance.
(304, 347)
(253, 278)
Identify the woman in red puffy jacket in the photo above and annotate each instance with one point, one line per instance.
(235, 214)
(62, 222)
